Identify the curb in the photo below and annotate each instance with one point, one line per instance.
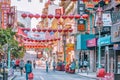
(14, 77)
(88, 76)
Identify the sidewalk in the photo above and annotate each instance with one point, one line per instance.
(89, 74)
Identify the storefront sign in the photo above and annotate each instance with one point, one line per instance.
(104, 41)
(116, 46)
(82, 41)
(115, 33)
(81, 25)
(92, 42)
(106, 18)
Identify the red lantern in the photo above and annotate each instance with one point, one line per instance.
(96, 1)
(85, 16)
(49, 30)
(54, 30)
(60, 30)
(27, 29)
(57, 16)
(58, 38)
(73, 0)
(43, 16)
(106, 1)
(85, 1)
(40, 41)
(65, 30)
(24, 15)
(70, 30)
(33, 29)
(37, 16)
(77, 16)
(38, 30)
(50, 16)
(64, 16)
(71, 16)
(44, 30)
(30, 15)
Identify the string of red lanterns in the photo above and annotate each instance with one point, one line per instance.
(47, 30)
(36, 46)
(31, 40)
(50, 16)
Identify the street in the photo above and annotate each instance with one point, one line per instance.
(40, 74)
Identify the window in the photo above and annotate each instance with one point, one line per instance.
(29, 0)
(18, 0)
(41, 1)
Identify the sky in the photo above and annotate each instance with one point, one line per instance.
(35, 7)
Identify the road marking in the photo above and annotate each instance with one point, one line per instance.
(41, 78)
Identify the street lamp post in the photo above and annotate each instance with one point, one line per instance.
(10, 24)
(64, 41)
(99, 25)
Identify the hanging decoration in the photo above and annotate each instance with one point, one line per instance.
(50, 16)
(106, 1)
(37, 16)
(24, 15)
(30, 16)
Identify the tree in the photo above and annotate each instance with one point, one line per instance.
(7, 38)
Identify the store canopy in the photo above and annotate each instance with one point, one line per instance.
(82, 41)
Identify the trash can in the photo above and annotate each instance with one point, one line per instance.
(116, 76)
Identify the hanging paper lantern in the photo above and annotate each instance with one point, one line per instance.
(71, 16)
(24, 15)
(27, 29)
(43, 16)
(77, 16)
(44, 30)
(85, 16)
(70, 30)
(65, 30)
(38, 30)
(54, 30)
(50, 16)
(40, 41)
(49, 30)
(58, 38)
(60, 30)
(33, 29)
(37, 16)
(64, 16)
(30, 15)
(57, 16)
(96, 1)
(85, 1)
(47, 40)
(106, 1)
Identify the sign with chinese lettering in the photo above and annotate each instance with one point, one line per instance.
(81, 25)
(106, 18)
(115, 33)
(5, 9)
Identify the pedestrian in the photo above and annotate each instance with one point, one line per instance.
(54, 65)
(34, 64)
(47, 66)
(28, 69)
(13, 63)
(17, 62)
(22, 65)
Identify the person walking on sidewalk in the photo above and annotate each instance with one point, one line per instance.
(54, 65)
(22, 65)
(28, 69)
(34, 64)
(47, 66)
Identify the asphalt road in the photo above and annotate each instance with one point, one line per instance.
(40, 74)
